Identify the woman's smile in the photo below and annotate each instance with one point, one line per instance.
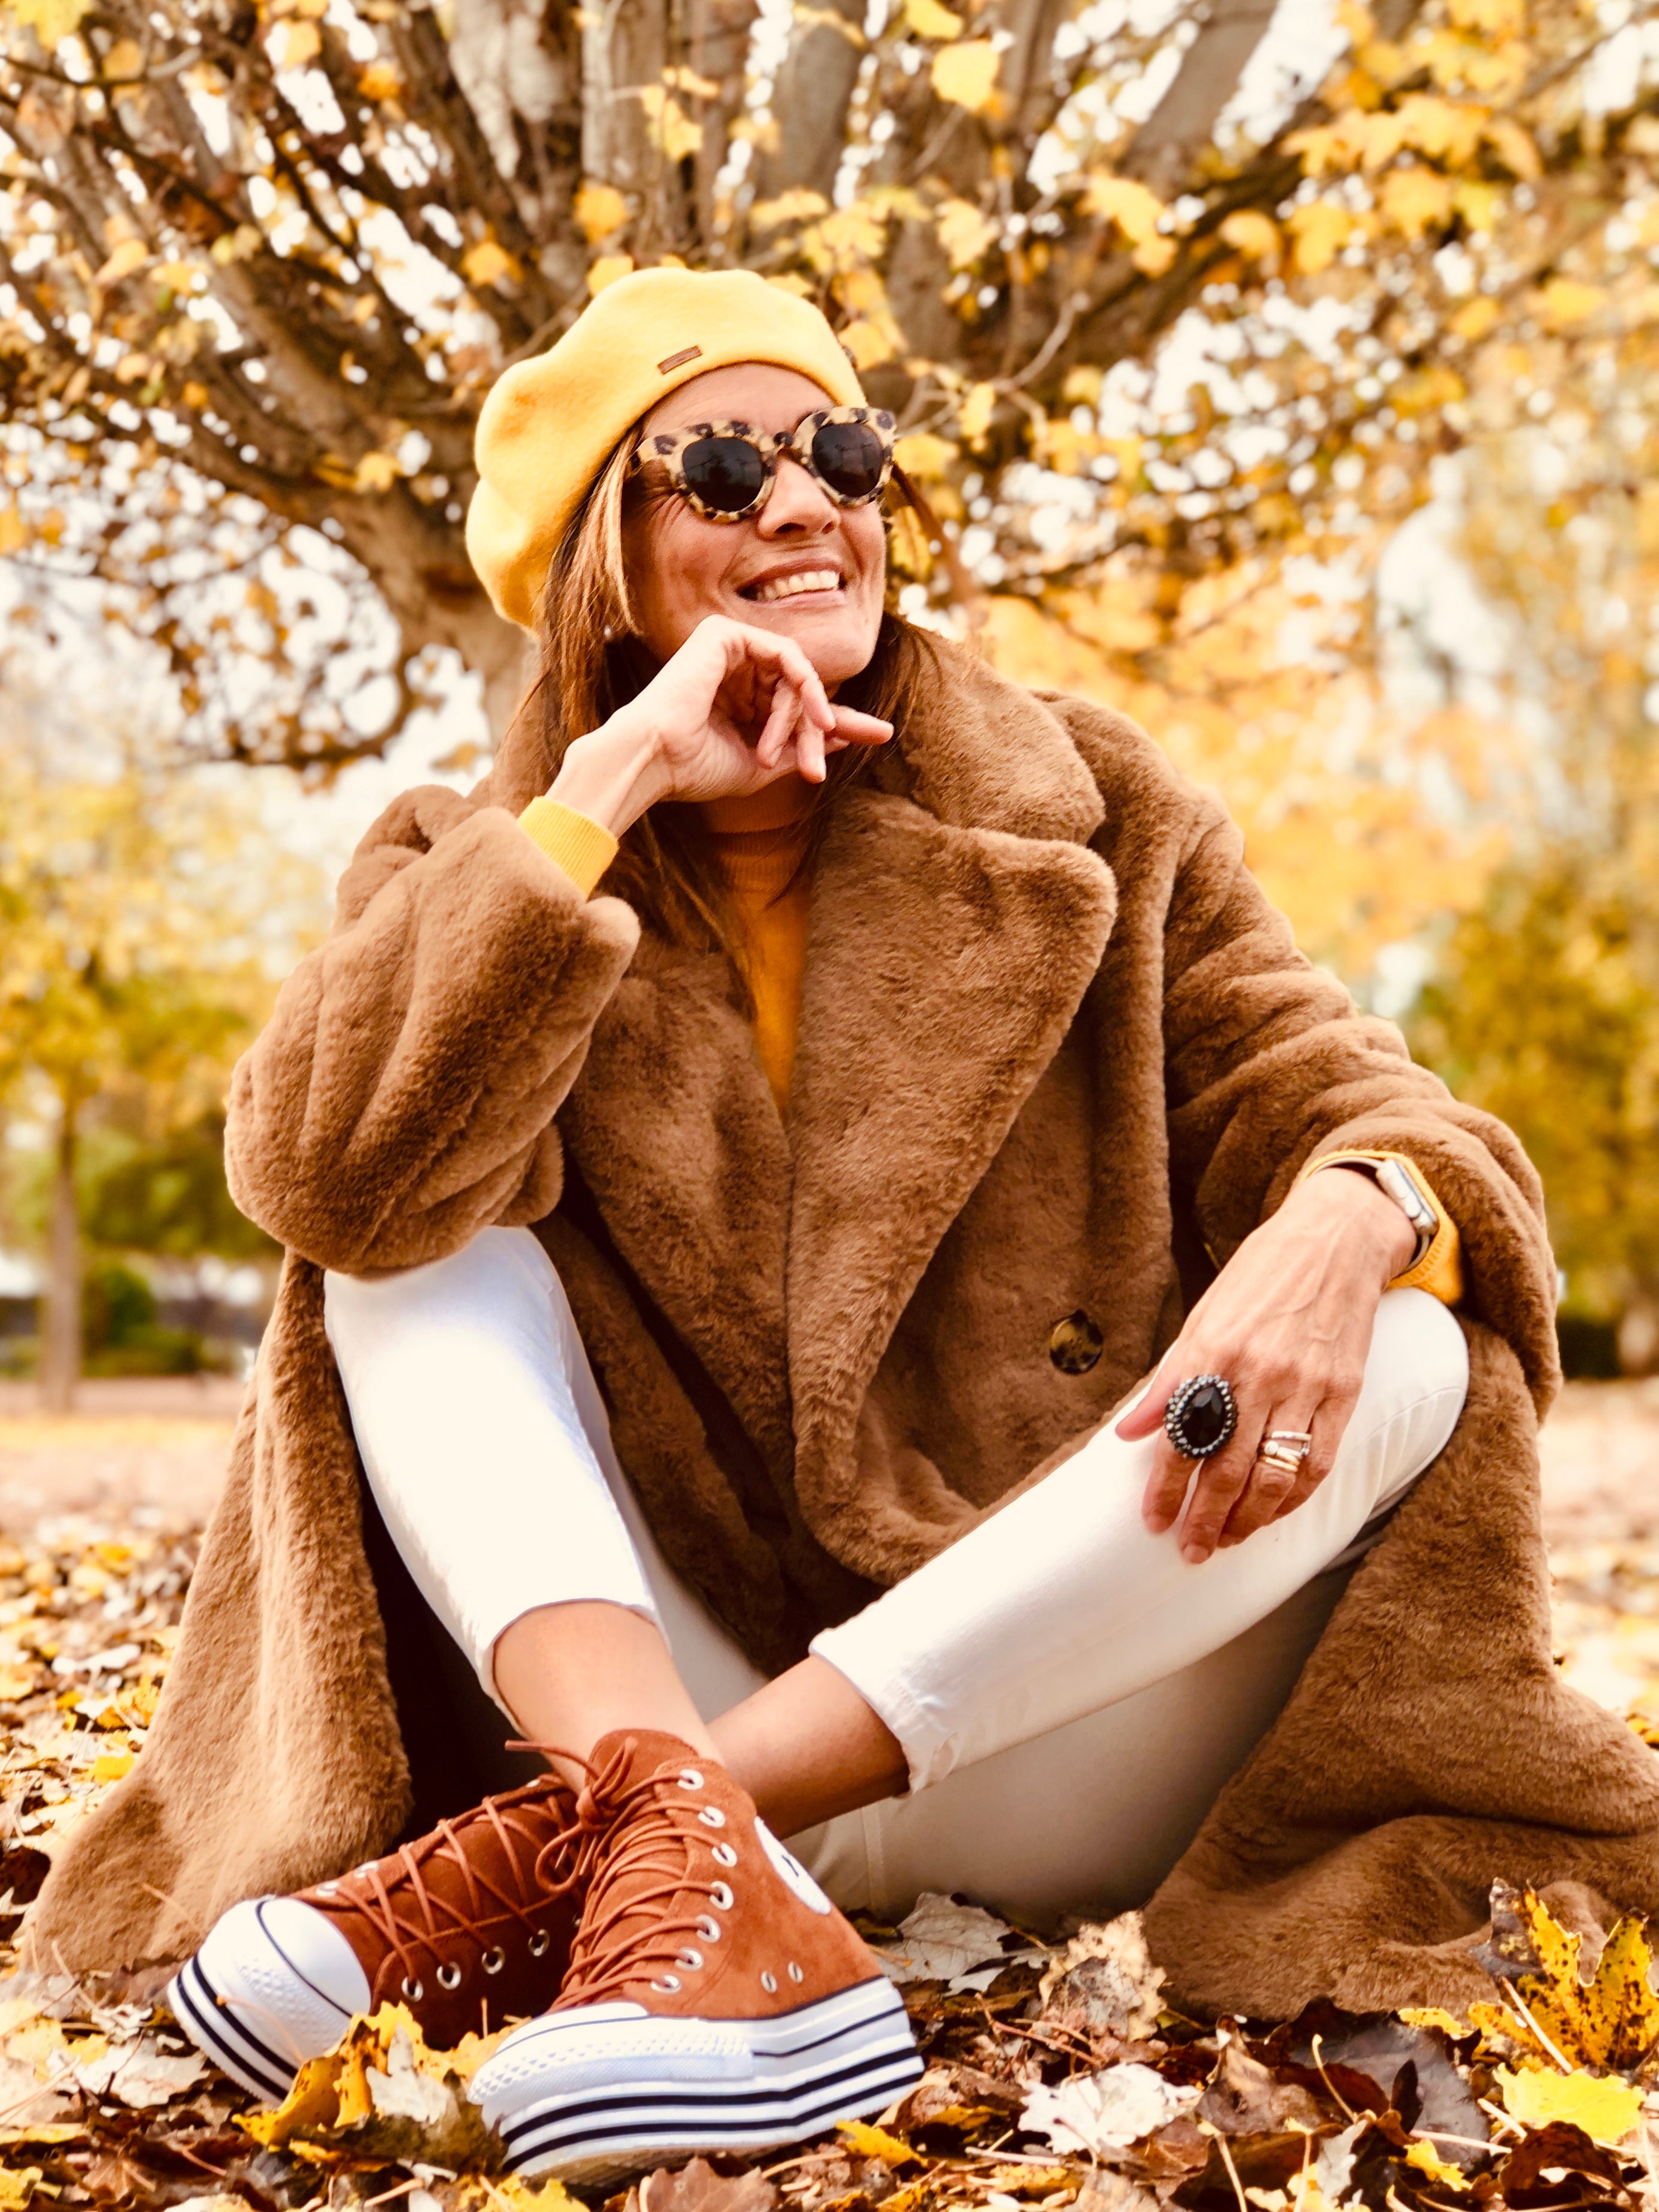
(823, 583)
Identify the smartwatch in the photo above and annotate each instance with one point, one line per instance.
(1396, 1179)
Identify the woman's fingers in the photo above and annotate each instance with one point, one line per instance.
(779, 727)
(1267, 1491)
(851, 728)
(808, 749)
(779, 657)
(1221, 1482)
(1148, 1410)
(1220, 1494)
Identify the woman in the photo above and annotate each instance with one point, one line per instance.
(732, 1285)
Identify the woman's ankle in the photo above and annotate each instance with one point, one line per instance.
(806, 1747)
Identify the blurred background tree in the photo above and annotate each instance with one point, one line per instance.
(138, 905)
(1282, 374)
(263, 258)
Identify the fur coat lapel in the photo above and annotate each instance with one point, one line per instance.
(956, 919)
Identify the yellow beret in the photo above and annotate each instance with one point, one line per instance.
(549, 422)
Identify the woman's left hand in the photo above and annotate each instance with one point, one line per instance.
(1288, 1321)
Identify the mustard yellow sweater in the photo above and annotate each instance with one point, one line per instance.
(759, 844)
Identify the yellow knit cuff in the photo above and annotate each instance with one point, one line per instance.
(1440, 1270)
(570, 840)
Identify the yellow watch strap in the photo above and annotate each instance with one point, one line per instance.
(1440, 1270)
(574, 842)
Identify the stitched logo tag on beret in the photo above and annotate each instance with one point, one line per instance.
(679, 359)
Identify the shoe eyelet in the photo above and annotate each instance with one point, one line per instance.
(769, 1983)
(711, 1816)
(358, 1874)
(414, 1991)
(539, 1943)
(720, 1894)
(690, 1780)
(449, 1976)
(723, 1855)
(493, 1961)
(709, 1929)
(669, 1983)
(328, 1889)
(795, 1973)
(691, 1960)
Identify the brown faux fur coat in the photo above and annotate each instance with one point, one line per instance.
(1054, 1046)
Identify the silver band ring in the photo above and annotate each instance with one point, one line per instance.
(1298, 1440)
(1280, 1458)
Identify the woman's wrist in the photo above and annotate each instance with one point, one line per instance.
(1355, 1206)
(613, 775)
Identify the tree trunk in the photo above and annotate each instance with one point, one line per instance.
(814, 89)
(60, 1334)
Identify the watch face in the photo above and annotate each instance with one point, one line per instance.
(1397, 1180)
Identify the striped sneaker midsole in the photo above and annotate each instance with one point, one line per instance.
(213, 2027)
(806, 2068)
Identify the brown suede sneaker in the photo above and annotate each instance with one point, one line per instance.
(716, 2000)
(470, 1927)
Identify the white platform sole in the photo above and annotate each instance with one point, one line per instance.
(604, 2090)
(275, 1983)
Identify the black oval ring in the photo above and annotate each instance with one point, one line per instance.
(1188, 1424)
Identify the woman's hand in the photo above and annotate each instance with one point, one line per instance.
(735, 710)
(1288, 1321)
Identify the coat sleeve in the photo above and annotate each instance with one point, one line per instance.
(402, 1096)
(1268, 1065)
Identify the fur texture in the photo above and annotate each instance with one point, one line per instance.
(1054, 1048)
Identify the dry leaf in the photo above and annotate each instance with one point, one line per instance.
(959, 2097)
(697, 2188)
(487, 264)
(1610, 2021)
(1254, 236)
(961, 1945)
(1244, 2098)
(375, 473)
(1105, 1981)
(966, 74)
(1606, 2108)
(382, 2093)
(130, 254)
(1107, 2191)
(928, 20)
(138, 2074)
(52, 20)
(1107, 2111)
(876, 2142)
(600, 210)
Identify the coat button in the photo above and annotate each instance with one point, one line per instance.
(1075, 1344)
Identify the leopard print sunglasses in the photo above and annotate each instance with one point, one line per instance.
(726, 470)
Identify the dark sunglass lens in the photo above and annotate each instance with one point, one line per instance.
(726, 473)
(849, 458)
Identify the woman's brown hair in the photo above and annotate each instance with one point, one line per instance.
(592, 662)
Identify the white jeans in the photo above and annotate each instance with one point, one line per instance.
(1070, 1694)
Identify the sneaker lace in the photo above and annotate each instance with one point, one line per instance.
(408, 1915)
(630, 1831)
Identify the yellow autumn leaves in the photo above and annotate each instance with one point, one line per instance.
(964, 70)
(1580, 2050)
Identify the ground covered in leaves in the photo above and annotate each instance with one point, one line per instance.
(1055, 2075)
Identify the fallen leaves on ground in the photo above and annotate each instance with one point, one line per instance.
(946, 1940)
(1057, 2075)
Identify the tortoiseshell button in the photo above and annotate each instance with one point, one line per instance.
(1075, 1344)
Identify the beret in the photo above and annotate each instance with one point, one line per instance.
(549, 422)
